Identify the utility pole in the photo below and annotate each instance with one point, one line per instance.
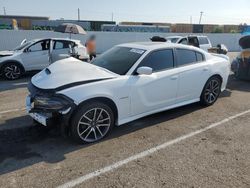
(79, 17)
(191, 19)
(4, 11)
(112, 17)
(201, 17)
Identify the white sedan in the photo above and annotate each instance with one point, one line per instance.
(125, 83)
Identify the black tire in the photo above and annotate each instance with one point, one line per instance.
(12, 71)
(211, 91)
(92, 122)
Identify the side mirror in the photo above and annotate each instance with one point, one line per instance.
(144, 71)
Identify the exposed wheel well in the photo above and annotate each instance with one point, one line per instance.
(218, 76)
(106, 101)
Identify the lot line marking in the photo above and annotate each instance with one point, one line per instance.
(13, 110)
(146, 153)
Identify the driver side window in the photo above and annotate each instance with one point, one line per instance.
(159, 60)
(40, 46)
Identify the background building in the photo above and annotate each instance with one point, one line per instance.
(44, 23)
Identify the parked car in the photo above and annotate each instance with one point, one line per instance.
(125, 83)
(34, 55)
(202, 42)
(241, 65)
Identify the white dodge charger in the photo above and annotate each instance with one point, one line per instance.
(125, 83)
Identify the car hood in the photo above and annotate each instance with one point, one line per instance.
(6, 53)
(70, 72)
(245, 42)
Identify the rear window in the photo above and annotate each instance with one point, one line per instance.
(203, 40)
(62, 45)
(199, 56)
(186, 57)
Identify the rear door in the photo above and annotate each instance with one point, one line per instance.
(194, 73)
(156, 91)
(205, 44)
(61, 49)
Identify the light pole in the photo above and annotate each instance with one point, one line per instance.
(79, 14)
(201, 17)
(4, 11)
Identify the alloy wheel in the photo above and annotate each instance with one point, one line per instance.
(212, 91)
(12, 72)
(94, 125)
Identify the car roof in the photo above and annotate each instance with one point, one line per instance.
(171, 37)
(149, 46)
(64, 39)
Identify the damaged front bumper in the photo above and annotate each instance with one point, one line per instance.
(49, 109)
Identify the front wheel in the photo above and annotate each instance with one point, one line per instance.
(92, 122)
(12, 71)
(211, 91)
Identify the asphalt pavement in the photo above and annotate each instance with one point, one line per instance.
(191, 146)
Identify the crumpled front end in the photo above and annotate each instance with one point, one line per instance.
(49, 108)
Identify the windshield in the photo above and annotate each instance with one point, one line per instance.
(23, 46)
(118, 59)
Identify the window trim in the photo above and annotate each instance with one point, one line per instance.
(160, 49)
(177, 62)
(26, 50)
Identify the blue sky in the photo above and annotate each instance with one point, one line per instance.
(174, 11)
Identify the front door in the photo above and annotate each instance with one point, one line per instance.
(158, 90)
(36, 57)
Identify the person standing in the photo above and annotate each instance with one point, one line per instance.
(91, 47)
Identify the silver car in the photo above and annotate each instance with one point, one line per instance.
(37, 55)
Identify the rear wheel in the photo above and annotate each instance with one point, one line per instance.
(12, 71)
(211, 91)
(92, 122)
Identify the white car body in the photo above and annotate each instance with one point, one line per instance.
(134, 96)
(31, 56)
(203, 41)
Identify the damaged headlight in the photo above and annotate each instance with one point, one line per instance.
(53, 103)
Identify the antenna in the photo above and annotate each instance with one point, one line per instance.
(201, 17)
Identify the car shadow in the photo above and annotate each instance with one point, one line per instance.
(26, 146)
(31, 145)
(6, 85)
(235, 84)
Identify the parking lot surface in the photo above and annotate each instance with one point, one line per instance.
(203, 147)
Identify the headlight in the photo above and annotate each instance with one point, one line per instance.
(53, 103)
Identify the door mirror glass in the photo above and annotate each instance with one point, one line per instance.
(144, 71)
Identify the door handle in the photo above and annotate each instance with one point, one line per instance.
(174, 77)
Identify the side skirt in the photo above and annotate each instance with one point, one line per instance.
(127, 120)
